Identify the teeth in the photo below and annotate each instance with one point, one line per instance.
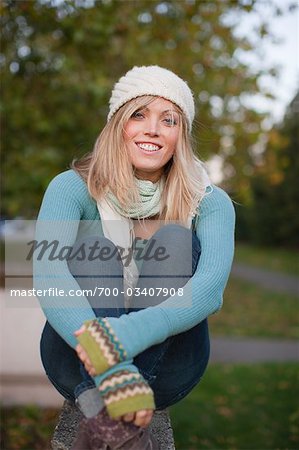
(149, 147)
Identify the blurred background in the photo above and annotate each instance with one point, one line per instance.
(59, 60)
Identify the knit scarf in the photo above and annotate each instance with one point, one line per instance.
(150, 196)
(118, 226)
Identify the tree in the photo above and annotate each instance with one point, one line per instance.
(59, 60)
(273, 218)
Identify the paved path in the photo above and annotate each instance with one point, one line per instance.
(244, 350)
(275, 281)
(22, 376)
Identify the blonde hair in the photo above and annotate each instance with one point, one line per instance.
(108, 167)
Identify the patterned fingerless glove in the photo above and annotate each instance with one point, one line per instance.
(102, 345)
(124, 392)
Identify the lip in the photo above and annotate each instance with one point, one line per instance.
(148, 152)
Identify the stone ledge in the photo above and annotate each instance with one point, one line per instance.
(70, 417)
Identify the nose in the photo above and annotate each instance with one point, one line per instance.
(152, 128)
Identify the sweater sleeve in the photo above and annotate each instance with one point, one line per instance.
(202, 294)
(56, 229)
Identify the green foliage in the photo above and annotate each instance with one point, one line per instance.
(273, 217)
(240, 407)
(59, 61)
(274, 258)
(249, 310)
(28, 427)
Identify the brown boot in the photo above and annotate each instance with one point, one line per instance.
(103, 433)
(112, 432)
(143, 441)
(82, 441)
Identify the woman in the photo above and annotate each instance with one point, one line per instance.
(144, 246)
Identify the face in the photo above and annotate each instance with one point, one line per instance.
(151, 135)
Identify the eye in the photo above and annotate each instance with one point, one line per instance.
(137, 115)
(170, 121)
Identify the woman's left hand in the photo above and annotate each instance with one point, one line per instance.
(140, 418)
(82, 355)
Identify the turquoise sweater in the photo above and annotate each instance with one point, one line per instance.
(66, 203)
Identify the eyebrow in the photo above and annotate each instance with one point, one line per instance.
(163, 112)
(170, 111)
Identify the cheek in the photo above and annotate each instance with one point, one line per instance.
(129, 131)
(172, 142)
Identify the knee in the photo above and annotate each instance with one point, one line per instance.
(173, 233)
(179, 241)
(90, 253)
(176, 239)
(178, 234)
(181, 238)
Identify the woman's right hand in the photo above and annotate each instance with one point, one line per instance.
(83, 356)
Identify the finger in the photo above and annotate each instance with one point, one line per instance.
(129, 417)
(143, 423)
(80, 331)
(80, 351)
(91, 372)
(88, 365)
(143, 417)
(82, 354)
(84, 358)
(78, 348)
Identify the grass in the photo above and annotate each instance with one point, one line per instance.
(270, 258)
(252, 311)
(235, 407)
(27, 428)
(240, 407)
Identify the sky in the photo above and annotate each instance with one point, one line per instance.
(284, 54)
(287, 54)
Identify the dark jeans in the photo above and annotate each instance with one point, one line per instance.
(173, 367)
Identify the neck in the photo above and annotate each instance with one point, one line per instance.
(148, 176)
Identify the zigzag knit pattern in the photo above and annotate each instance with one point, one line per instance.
(101, 344)
(125, 392)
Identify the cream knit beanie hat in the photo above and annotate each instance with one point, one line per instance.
(152, 80)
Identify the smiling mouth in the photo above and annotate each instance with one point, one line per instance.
(152, 148)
